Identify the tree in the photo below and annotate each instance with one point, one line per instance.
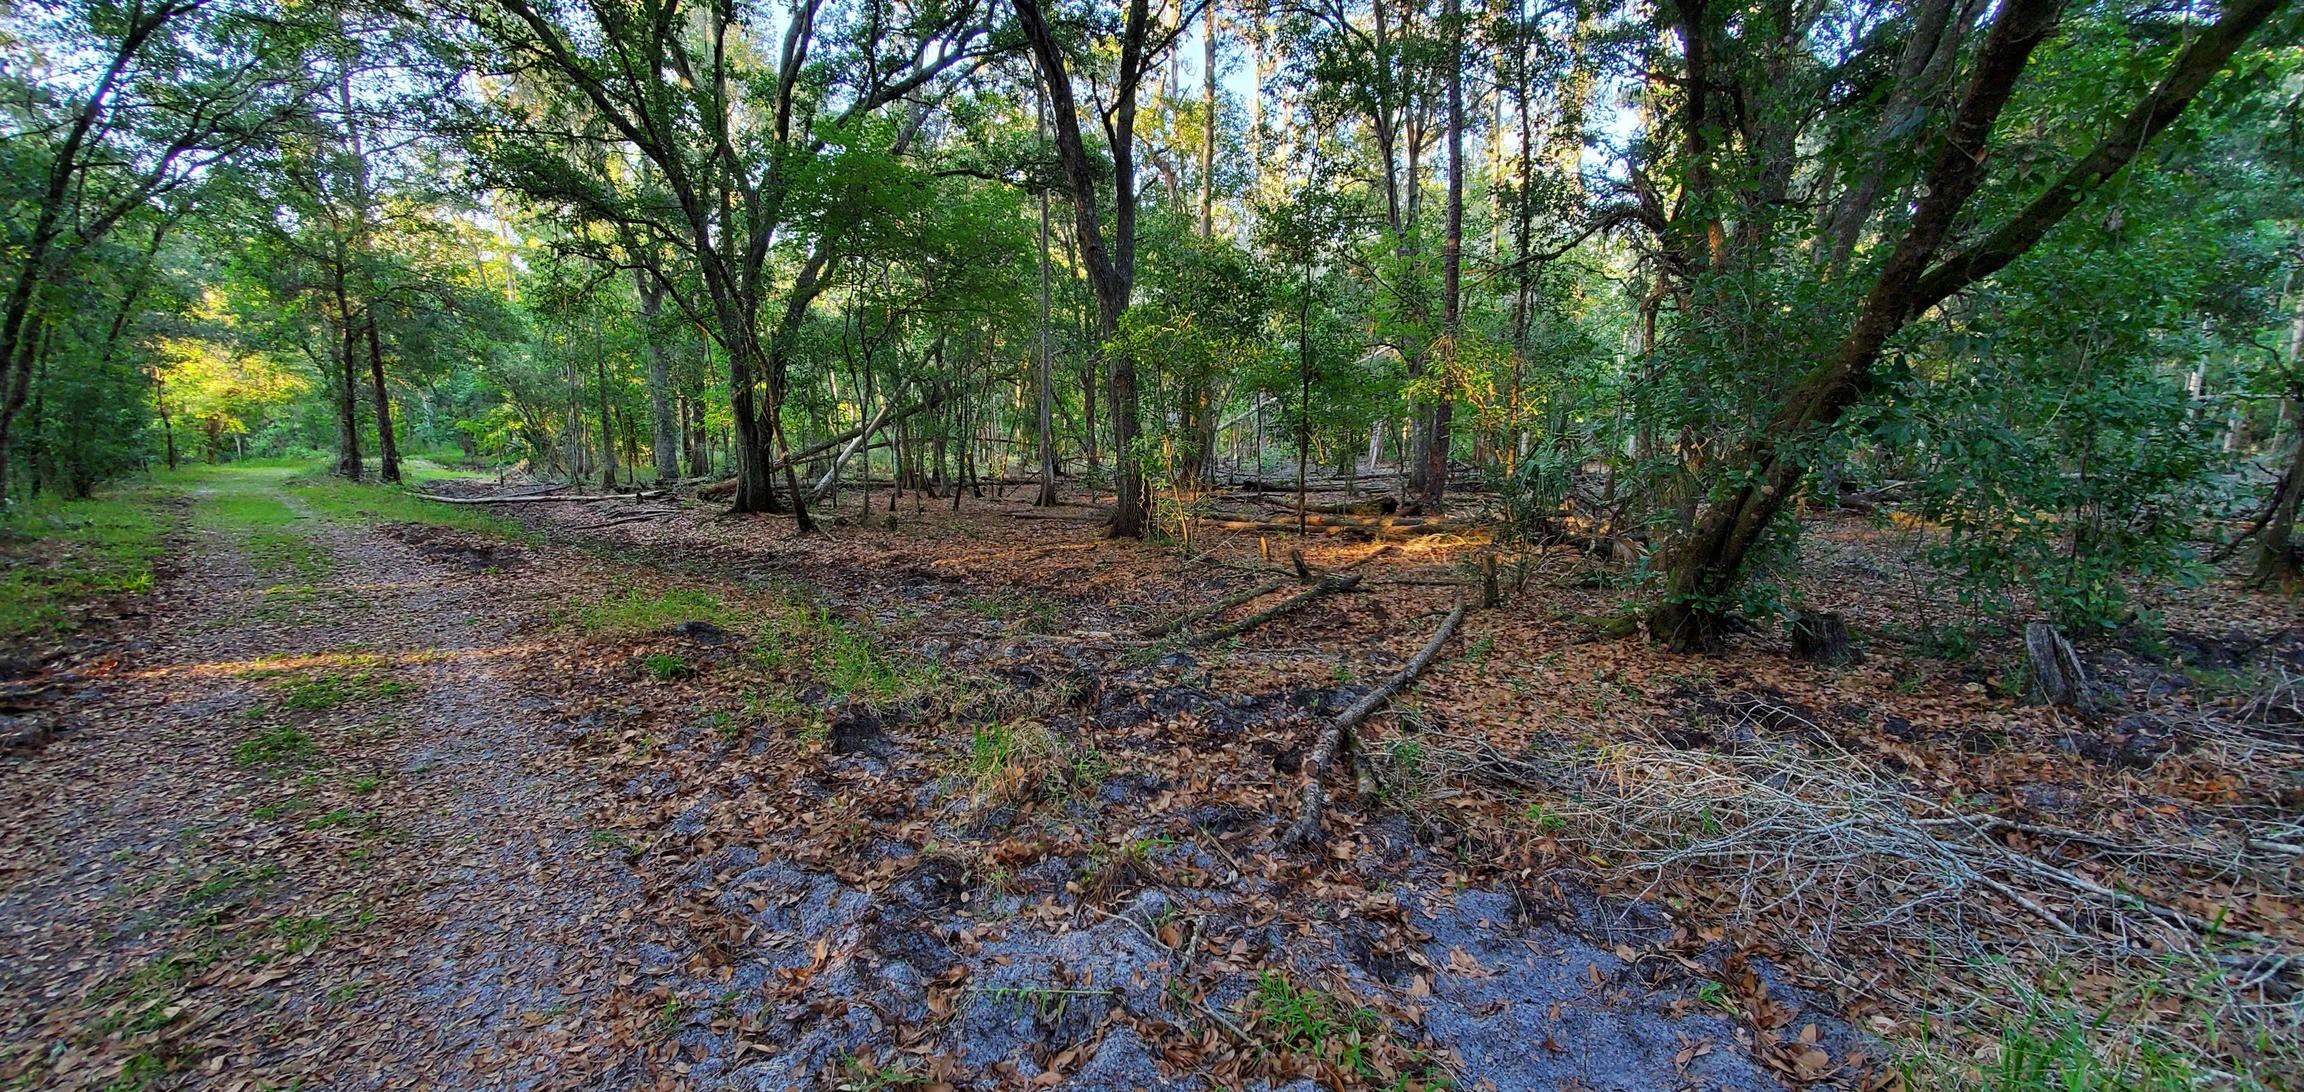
(1916, 275)
(1110, 260)
(727, 139)
(130, 104)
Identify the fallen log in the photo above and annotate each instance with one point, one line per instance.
(1328, 585)
(1064, 517)
(586, 498)
(1188, 617)
(1381, 506)
(1334, 525)
(634, 517)
(1336, 738)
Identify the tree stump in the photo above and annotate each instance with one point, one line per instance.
(2053, 668)
(1821, 638)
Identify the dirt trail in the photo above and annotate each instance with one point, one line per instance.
(301, 834)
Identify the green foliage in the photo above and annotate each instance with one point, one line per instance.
(1307, 1020)
(61, 554)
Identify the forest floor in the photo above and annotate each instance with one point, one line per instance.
(371, 791)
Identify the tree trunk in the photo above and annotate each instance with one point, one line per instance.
(1111, 265)
(387, 447)
(2275, 552)
(664, 441)
(1451, 271)
(347, 387)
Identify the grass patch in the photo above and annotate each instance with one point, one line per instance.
(327, 690)
(1020, 761)
(56, 555)
(2050, 1051)
(359, 678)
(369, 502)
(265, 527)
(1308, 1021)
(667, 666)
(274, 747)
(1024, 611)
(642, 612)
(231, 878)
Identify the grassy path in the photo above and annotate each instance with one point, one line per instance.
(299, 840)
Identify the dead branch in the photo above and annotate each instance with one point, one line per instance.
(1339, 731)
(588, 498)
(1188, 617)
(1328, 585)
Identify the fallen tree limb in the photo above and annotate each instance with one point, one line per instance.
(634, 517)
(1404, 527)
(587, 498)
(833, 471)
(1327, 586)
(1188, 617)
(1336, 737)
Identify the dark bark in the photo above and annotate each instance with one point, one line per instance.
(1451, 271)
(387, 448)
(348, 463)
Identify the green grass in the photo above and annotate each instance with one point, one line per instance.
(265, 526)
(1024, 611)
(636, 611)
(329, 689)
(1307, 1020)
(273, 747)
(2055, 1051)
(370, 502)
(56, 555)
(668, 667)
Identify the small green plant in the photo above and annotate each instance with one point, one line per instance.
(667, 666)
(863, 1074)
(1306, 1020)
(230, 878)
(273, 747)
(1046, 1003)
(367, 783)
(302, 932)
(1545, 820)
(1018, 760)
(1715, 994)
(286, 805)
(363, 678)
(611, 838)
(339, 818)
(1024, 611)
(140, 1071)
(1406, 776)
